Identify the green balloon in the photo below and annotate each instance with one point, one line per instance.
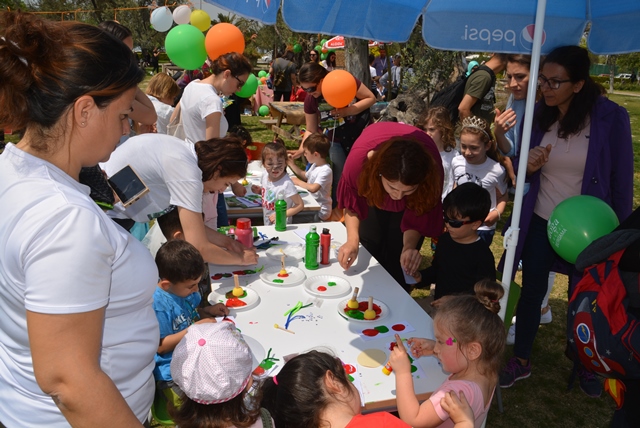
(185, 47)
(297, 48)
(249, 88)
(323, 56)
(263, 110)
(578, 221)
(262, 73)
(323, 41)
(318, 48)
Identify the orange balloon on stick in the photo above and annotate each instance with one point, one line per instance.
(223, 38)
(339, 88)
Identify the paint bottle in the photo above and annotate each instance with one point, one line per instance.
(281, 213)
(387, 368)
(244, 233)
(325, 245)
(312, 241)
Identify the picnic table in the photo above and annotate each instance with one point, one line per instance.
(293, 112)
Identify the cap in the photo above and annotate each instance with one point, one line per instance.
(212, 363)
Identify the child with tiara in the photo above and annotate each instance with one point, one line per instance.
(312, 390)
(480, 163)
(212, 365)
(469, 342)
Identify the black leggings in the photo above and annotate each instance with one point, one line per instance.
(380, 234)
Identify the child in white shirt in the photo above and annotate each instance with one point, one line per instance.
(275, 182)
(318, 178)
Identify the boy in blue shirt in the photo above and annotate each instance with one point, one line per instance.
(176, 301)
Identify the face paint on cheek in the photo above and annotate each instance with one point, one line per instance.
(450, 341)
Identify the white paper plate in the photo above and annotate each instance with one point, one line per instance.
(296, 276)
(256, 349)
(219, 296)
(293, 253)
(383, 308)
(321, 286)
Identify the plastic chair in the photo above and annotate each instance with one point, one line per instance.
(159, 409)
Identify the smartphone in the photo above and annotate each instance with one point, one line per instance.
(128, 185)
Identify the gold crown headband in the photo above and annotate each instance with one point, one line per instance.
(475, 122)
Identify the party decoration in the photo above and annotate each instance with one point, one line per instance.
(201, 20)
(297, 48)
(339, 88)
(325, 50)
(263, 110)
(182, 14)
(161, 19)
(263, 80)
(249, 88)
(323, 41)
(185, 47)
(224, 38)
(578, 221)
(318, 48)
(323, 56)
(262, 73)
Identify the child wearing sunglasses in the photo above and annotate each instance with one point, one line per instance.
(461, 258)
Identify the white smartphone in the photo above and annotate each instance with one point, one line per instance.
(128, 185)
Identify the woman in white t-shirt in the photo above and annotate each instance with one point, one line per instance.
(77, 325)
(180, 174)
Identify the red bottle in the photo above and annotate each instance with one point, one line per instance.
(244, 233)
(325, 245)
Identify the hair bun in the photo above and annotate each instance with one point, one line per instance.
(489, 294)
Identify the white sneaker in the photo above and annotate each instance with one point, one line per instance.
(546, 318)
(511, 335)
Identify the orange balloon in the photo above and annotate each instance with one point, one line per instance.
(339, 88)
(325, 50)
(263, 80)
(223, 38)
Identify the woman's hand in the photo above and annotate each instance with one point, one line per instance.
(235, 246)
(410, 260)
(399, 360)
(504, 121)
(538, 157)
(342, 112)
(421, 347)
(347, 254)
(249, 257)
(492, 218)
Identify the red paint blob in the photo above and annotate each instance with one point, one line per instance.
(363, 306)
(283, 275)
(234, 302)
(392, 345)
(370, 332)
(398, 327)
(349, 368)
(239, 272)
(322, 288)
(217, 276)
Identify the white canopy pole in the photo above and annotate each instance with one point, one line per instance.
(512, 234)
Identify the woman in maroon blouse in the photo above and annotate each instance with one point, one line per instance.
(391, 191)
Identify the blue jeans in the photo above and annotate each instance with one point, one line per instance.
(223, 218)
(487, 236)
(338, 158)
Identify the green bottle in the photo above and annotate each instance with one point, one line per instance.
(281, 213)
(312, 241)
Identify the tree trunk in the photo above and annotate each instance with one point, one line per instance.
(357, 59)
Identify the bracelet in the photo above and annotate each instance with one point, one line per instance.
(496, 210)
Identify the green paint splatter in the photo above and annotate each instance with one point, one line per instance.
(382, 329)
(230, 295)
(355, 314)
(351, 379)
(331, 284)
(377, 384)
(279, 281)
(414, 369)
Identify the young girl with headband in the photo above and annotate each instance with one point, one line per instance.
(469, 342)
(479, 162)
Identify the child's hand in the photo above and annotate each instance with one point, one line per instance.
(205, 320)
(217, 310)
(459, 409)
(296, 181)
(256, 189)
(238, 189)
(421, 347)
(399, 359)
(272, 218)
(290, 158)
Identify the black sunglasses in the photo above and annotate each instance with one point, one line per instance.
(310, 89)
(313, 54)
(456, 223)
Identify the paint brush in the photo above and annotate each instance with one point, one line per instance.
(283, 329)
(237, 291)
(353, 303)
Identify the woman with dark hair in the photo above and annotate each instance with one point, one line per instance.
(391, 191)
(330, 62)
(88, 333)
(314, 56)
(580, 145)
(178, 173)
(356, 116)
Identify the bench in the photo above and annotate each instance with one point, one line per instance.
(269, 123)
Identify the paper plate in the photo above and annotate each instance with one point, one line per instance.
(327, 286)
(357, 315)
(219, 296)
(270, 276)
(293, 253)
(256, 349)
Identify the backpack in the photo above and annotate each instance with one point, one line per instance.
(602, 331)
(451, 96)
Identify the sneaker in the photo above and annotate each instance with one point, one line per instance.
(589, 383)
(511, 335)
(513, 372)
(546, 317)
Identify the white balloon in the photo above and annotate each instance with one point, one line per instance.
(182, 14)
(161, 19)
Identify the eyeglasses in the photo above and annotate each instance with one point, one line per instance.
(240, 82)
(309, 89)
(551, 83)
(456, 223)
(313, 54)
